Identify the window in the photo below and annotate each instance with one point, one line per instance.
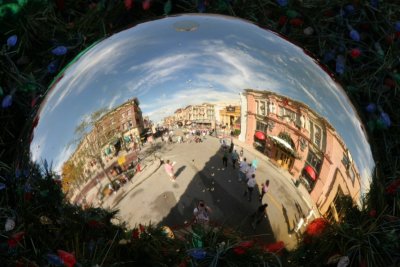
(262, 127)
(123, 115)
(314, 161)
(336, 209)
(257, 107)
(291, 115)
(351, 174)
(130, 123)
(262, 108)
(316, 134)
(271, 108)
(346, 161)
(129, 112)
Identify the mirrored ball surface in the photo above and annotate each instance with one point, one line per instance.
(158, 117)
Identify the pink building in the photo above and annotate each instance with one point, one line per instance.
(300, 141)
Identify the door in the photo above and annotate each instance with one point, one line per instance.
(283, 159)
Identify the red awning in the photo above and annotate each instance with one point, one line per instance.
(260, 135)
(311, 172)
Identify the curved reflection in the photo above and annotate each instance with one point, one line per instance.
(148, 93)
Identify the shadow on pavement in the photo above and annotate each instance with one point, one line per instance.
(179, 171)
(222, 192)
(285, 215)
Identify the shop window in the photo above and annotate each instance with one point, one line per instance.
(314, 161)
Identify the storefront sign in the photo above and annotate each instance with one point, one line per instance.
(230, 109)
(121, 160)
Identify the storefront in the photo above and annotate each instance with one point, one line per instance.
(282, 152)
(259, 141)
(309, 177)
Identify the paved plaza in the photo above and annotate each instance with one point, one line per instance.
(152, 197)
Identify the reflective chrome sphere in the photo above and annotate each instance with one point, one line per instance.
(160, 116)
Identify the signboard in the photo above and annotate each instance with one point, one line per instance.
(121, 160)
(230, 109)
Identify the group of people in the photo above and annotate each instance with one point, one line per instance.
(189, 136)
(246, 173)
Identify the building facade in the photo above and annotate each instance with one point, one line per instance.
(111, 132)
(230, 117)
(201, 115)
(300, 141)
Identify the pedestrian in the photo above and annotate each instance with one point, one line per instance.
(254, 163)
(258, 215)
(250, 171)
(169, 169)
(231, 146)
(201, 213)
(251, 183)
(243, 170)
(241, 156)
(223, 143)
(264, 189)
(234, 157)
(225, 158)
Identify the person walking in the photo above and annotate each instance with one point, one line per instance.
(225, 158)
(264, 189)
(201, 213)
(169, 169)
(250, 171)
(243, 170)
(258, 215)
(241, 155)
(234, 157)
(231, 147)
(251, 183)
(254, 163)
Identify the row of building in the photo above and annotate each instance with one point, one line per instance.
(206, 115)
(106, 134)
(293, 136)
(305, 144)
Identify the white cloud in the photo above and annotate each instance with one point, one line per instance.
(62, 157)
